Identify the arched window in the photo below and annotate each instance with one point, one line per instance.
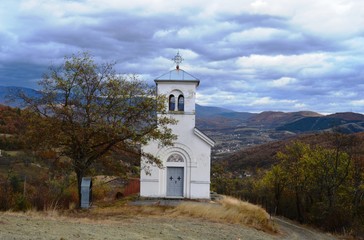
(181, 103)
(175, 158)
(172, 102)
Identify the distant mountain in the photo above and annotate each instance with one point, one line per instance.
(4, 93)
(7, 95)
(238, 115)
(206, 111)
(352, 127)
(221, 120)
(235, 131)
(272, 119)
(217, 118)
(349, 116)
(344, 122)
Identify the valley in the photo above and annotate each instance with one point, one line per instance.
(231, 140)
(235, 131)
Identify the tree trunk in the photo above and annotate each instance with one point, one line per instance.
(298, 207)
(277, 209)
(331, 199)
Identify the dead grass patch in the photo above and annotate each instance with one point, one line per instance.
(230, 210)
(226, 210)
(33, 213)
(127, 211)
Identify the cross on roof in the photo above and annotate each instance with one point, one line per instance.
(177, 59)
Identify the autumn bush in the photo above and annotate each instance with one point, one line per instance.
(10, 142)
(101, 191)
(38, 194)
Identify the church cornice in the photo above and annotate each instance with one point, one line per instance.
(177, 75)
(197, 82)
(205, 138)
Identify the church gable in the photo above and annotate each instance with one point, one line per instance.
(204, 137)
(177, 75)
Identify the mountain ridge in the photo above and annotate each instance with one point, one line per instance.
(267, 118)
(234, 130)
(7, 93)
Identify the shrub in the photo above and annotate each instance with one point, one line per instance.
(21, 203)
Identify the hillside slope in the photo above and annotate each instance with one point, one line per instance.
(344, 122)
(271, 119)
(264, 156)
(7, 95)
(218, 118)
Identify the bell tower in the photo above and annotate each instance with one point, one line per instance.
(180, 89)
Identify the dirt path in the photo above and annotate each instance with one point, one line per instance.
(293, 231)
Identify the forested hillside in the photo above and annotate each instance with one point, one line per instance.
(316, 179)
(10, 124)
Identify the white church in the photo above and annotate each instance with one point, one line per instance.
(186, 164)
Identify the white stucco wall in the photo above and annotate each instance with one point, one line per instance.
(193, 148)
(196, 155)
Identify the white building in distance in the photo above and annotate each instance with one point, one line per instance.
(186, 164)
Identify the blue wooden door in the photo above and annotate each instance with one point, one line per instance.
(175, 181)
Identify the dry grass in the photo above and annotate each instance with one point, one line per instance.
(46, 214)
(230, 210)
(227, 210)
(126, 211)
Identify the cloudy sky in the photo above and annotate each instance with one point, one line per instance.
(250, 55)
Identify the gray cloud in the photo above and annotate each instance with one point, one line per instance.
(249, 56)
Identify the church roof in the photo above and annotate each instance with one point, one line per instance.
(177, 75)
(204, 137)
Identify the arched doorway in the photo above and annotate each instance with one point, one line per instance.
(175, 176)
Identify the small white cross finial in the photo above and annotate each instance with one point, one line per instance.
(177, 59)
